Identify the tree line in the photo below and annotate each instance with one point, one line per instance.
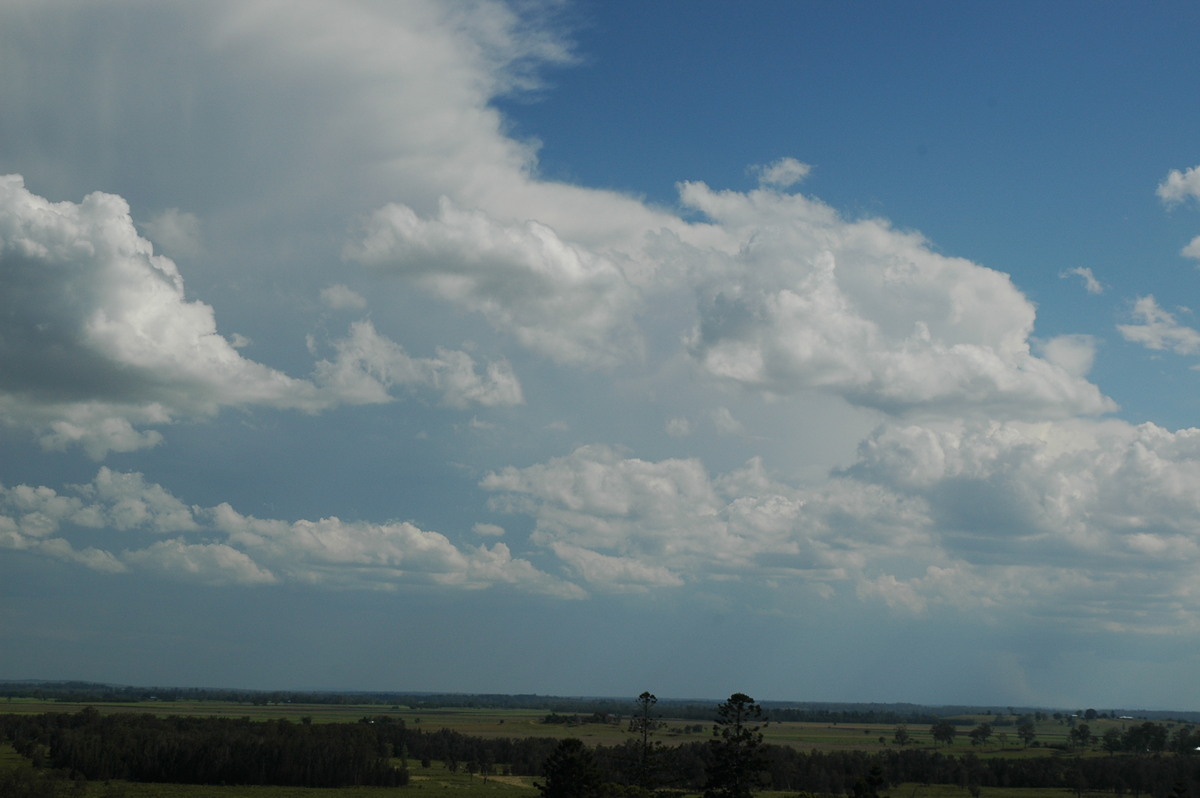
(191, 750)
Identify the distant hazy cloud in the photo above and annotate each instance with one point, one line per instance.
(340, 297)
(176, 232)
(725, 422)
(678, 427)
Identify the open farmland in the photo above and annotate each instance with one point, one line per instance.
(516, 723)
(448, 749)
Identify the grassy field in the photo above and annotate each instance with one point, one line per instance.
(519, 723)
(528, 723)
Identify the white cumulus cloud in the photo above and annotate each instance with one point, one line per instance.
(805, 300)
(1179, 185)
(220, 546)
(783, 173)
(98, 337)
(559, 299)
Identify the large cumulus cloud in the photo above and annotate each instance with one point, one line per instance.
(97, 335)
(806, 300)
(785, 296)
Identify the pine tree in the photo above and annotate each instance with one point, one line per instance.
(736, 761)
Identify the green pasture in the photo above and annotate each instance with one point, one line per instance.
(518, 723)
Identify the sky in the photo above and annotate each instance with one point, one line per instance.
(818, 351)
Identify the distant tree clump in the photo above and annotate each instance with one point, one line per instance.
(980, 734)
(1026, 731)
(570, 772)
(943, 732)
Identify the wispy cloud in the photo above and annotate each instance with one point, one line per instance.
(1157, 329)
(1090, 283)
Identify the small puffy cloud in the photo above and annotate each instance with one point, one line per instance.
(803, 300)
(176, 231)
(1180, 185)
(1192, 250)
(784, 173)
(1074, 354)
(490, 530)
(1157, 329)
(97, 336)
(341, 297)
(368, 365)
(128, 501)
(1090, 283)
(113, 500)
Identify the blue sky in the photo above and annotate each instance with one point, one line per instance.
(820, 351)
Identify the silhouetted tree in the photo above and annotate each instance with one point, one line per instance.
(643, 724)
(736, 761)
